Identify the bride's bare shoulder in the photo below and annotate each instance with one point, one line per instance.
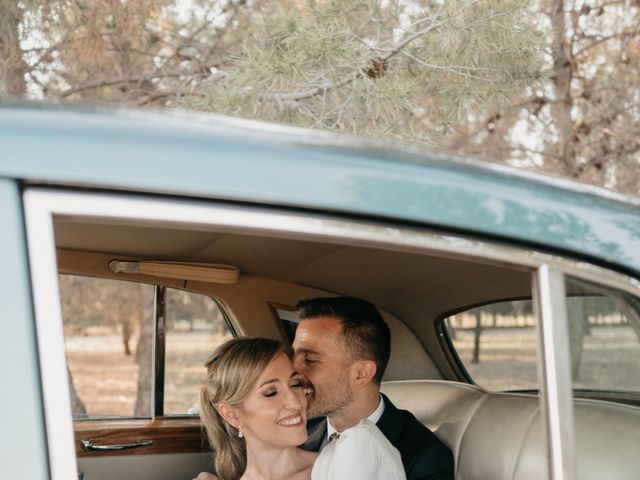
(305, 465)
(303, 474)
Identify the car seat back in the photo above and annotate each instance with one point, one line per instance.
(501, 436)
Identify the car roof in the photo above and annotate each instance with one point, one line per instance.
(209, 156)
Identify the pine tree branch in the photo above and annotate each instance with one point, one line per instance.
(329, 85)
(420, 33)
(533, 151)
(312, 92)
(599, 39)
(387, 55)
(455, 69)
(171, 92)
(132, 79)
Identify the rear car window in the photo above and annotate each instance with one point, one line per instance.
(604, 337)
(496, 345)
(195, 326)
(109, 334)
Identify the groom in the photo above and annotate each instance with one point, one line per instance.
(342, 348)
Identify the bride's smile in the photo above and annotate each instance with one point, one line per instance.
(275, 411)
(291, 421)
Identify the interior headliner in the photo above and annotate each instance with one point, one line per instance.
(415, 287)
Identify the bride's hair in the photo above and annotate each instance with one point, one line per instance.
(232, 371)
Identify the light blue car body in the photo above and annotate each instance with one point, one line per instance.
(205, 157)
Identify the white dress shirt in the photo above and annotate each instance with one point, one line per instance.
(361, 452)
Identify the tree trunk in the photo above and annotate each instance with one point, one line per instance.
(78, 407)
(12, 65)
(476, 340)
(562, 75)
(633, 316)
(127, 327)
(144, 358)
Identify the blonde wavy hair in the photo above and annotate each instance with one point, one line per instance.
(232, 371)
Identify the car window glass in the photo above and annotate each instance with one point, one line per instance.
(108, 330)
(195, 326)
(496, 344)
(604, 337)
(287, 319)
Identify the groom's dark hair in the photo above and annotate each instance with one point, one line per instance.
(365, 332)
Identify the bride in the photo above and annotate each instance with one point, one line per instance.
(253, 406)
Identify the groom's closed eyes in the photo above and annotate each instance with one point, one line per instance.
(309, 356)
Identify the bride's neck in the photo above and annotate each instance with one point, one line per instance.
(265, 462)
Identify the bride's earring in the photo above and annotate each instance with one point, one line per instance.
(240, 434)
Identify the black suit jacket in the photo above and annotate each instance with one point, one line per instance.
(424, 456)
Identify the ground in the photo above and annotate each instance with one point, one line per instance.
(106, 379)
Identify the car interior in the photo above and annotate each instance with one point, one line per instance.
(255, 277)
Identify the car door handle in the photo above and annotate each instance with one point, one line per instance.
(88, 445)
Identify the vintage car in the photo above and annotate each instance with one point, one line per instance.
(136, 242)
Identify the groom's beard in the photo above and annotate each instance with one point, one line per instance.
(331, 398)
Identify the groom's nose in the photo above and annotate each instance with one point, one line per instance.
(291, 399)
(297, 363)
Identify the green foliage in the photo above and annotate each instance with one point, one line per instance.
(380, 68)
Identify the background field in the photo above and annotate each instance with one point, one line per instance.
(610, 358)
(106, 379)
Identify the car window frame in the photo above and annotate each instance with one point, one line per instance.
(548, 271)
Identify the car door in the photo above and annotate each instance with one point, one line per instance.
(174, 452)
(23, 441)
(121, 361)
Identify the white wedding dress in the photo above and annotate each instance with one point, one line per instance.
(361, 452)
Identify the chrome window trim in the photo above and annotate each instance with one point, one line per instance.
(50, 337)
(554, 370)
(42, 203)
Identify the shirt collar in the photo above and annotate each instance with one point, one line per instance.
(373, 418)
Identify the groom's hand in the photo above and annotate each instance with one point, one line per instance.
(206, 476)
